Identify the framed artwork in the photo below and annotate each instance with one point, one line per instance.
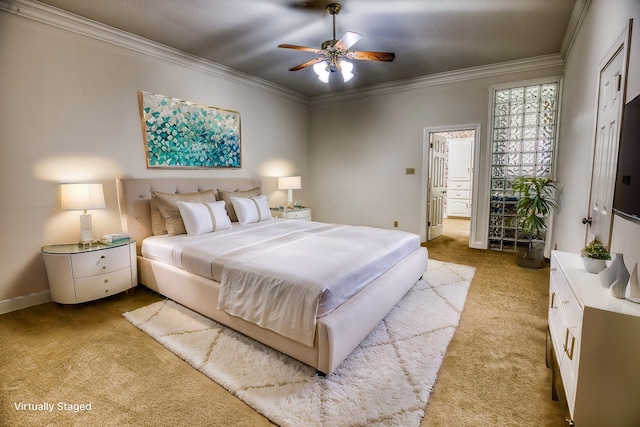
(185, 135)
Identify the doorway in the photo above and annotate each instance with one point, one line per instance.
(450, 165)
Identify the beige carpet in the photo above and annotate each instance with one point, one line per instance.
(386, 381)
(493, 374)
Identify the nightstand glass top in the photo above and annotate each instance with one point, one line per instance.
(75, 248)
(291, 209)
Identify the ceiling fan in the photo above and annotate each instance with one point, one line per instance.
(333, 53)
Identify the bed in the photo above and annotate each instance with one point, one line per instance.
(181, 268)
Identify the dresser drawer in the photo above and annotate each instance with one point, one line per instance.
(99, 262)
(299, 214)
(103, 285)
(458, 194)
(557, 324)
(459, 185)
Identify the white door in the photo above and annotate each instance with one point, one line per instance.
(437, 186)
(610, 103)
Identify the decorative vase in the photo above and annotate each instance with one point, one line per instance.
(593, 265)
(616, 273)
(632, 293)
(618, 289)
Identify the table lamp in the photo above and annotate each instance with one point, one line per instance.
(289, 183)
(82, 197)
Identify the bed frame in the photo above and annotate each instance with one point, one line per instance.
(337, 334)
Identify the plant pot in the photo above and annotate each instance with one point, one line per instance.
(532, 257)
(593, 265)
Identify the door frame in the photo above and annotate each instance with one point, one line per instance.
(426, 153)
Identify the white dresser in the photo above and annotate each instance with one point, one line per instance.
(85, 274)
(595, 341)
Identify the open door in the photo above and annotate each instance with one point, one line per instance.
(437, 189)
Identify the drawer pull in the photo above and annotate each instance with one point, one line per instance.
(553, 299)
(106, 280)
(102, 257)
(566, 343)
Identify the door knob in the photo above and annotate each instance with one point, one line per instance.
(586, 220)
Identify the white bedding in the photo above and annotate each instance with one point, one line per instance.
(283, 274)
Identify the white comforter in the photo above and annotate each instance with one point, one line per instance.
(283, 274)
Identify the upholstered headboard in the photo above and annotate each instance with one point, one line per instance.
(134, 195)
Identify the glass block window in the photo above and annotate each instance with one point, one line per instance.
(523, 138)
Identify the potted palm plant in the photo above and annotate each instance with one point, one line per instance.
(536, 202)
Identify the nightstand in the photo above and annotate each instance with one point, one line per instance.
(300, 213)
(85, 274)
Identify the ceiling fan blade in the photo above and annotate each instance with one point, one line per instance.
(372, 56)
(306, 64)
(306, 49)
(349, 39)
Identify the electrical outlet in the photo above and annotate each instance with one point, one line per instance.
(395, 223)
(411, 171)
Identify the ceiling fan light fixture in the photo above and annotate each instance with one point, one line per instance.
(346, 67)
(332, 53)
(322, 71)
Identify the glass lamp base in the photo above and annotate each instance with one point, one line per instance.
(86, 234)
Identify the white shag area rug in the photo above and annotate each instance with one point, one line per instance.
(386, 381)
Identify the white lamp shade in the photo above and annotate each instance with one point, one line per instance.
(81, 197)
(322, 71)
(289, 183)
(347, 68)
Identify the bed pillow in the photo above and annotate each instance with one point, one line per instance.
(201, 218)
(167, 204)
(227, 195)
(250, 210)
(157, 222)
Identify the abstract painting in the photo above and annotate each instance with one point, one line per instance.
(185, 135)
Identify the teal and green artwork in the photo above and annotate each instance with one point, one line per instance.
(183, 134)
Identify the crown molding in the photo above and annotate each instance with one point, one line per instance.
(55, 17)
(578, 14)
(535, 63)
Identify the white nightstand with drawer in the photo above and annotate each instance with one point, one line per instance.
(79, 274)
(300, 213)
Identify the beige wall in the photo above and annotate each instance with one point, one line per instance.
(603, 24)
(70, 113)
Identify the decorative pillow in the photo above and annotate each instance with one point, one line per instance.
(201, 218)
(262, 204)
(157, 222)
(226, 196)
(251, 210)
(167, 204)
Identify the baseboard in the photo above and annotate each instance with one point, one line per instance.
(18, 303)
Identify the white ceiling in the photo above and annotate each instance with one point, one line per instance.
(427, 36)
